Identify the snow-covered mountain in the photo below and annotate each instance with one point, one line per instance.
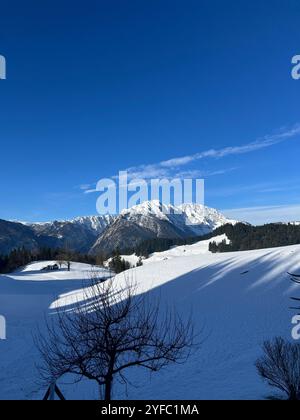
(193, 215)
(94, 224)
(78, 234)
(190, 218)
(153, 219)
(16, 235)
(95, 234)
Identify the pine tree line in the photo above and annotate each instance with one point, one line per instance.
(246, 237)
(242, 237)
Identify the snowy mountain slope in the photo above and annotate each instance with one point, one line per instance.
(196, 215)
(78, 234)
(128, 232)
(16, 235)
(189, 218)
(152, 219)
(199, 248)
(237, 299)
(96, 224)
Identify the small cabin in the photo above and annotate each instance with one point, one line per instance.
(53, 267)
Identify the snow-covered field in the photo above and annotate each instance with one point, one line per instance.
(25, 299)
(198, 248)
(177, 251)
(237, 300)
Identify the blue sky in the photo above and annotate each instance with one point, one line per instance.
(101, 86)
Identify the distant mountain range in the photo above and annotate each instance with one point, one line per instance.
(152, 220)
(103, 234)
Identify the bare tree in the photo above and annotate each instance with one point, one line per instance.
(64, 259)
(110, 331)
(280, 366)
(61, 260)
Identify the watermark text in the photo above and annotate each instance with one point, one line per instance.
(296, 68)
(2, 67)
(296, 329)
(121, 193)
(2, 328)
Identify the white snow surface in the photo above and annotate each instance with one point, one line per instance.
(131, 259)
(198, 248)
(201, 247)
(237, 300)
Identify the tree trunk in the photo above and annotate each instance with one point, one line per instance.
(108, 389)
(293, 395)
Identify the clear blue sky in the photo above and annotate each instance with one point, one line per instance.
(94, 87)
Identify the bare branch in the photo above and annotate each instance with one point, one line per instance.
(280, 366)
(111, 330)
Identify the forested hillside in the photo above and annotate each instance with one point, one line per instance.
(242, 237)
(246, 237)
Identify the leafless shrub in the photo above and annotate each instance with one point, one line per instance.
(280, 366)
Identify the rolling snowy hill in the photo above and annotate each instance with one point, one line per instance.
(237, 300)
(199, 248)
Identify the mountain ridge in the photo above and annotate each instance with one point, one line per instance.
(104, 233)
(152, 219)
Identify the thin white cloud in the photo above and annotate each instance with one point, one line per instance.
(188, 174)
(92, 190)
(86, 187)
(265, 214)
(171, 168)
(261, 188)
(202, 174)
(166, 168)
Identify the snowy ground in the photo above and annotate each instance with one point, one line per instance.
(176, 251)
(25, 299)
(239, 299)
(198, 248)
